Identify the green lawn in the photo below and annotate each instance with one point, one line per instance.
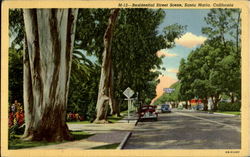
(17, 143)
(112, 119)
(108, 146)
(229, 112)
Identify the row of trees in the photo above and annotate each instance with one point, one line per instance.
(56, 71)
(213, 69)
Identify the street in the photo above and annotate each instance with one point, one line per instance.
(187, 130)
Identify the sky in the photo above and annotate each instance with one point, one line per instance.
(190, 40)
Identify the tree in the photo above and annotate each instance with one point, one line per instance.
(105, 86)
(213, 69)
(136, 42)
(47, 66)
(185, 81)
(224, 28)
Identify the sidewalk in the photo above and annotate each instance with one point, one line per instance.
(105, 134)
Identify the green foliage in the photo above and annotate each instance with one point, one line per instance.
(15, 130)
(173, 32)
(214, 68)
(225, 106)
(83, 91)
(15, 75)
(134, 46)
(90, 28)
(16, 28)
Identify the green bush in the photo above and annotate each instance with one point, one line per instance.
(16, 130)
(225, 106)
(91, 112)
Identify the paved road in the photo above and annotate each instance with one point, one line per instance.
(187, 130)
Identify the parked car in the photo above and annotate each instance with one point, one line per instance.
(165, 108)
(148, 112)
(200, 106)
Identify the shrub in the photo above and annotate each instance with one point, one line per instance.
(16, 130)
(91, 112)
(225, 106)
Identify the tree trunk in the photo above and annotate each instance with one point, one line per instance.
(205, 104)
(232, 98)
(105, 87)
(112, 102)
(215, 102)
(48, 49)
(186, 102)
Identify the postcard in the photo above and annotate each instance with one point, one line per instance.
(125, 78)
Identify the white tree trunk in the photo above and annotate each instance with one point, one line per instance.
(105, 85)
(47, 65)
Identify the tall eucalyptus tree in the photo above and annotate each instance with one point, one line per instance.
(49, 41)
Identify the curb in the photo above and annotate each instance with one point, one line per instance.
(231, 115)
(124, 141)
(224, 114)
(136, 121)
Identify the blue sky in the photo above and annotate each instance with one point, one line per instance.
(194, 20)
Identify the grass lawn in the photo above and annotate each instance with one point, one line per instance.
(229, 112)
(108, 146)
(112, 119)
(17, 143)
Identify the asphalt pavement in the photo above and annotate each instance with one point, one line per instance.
(187, 130)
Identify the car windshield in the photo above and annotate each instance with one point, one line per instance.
(165, 106)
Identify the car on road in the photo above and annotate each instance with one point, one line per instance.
(165, 108)
(148, 112)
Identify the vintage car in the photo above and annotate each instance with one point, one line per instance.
(148, 112)
(165, 108)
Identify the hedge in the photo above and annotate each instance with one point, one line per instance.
(225, 106)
